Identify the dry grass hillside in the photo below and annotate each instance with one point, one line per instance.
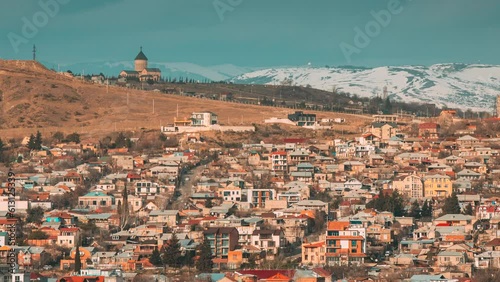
(35, 98)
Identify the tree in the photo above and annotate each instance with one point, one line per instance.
(38, 235)
(31, 142)
(123, 210)
(35, 215)
(204, 263)
(172, 252)
(468, 209)
(426, 209)
(387, 106)
(2, 150)
(58, 135)
(208, 204)
(78, 262)
(38, 141)
(156, 258)
(415, 210)
(451, 205)
(73, 137)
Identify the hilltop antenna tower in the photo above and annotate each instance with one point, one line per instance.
(34, 52)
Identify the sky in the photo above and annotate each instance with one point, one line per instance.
(254, 33)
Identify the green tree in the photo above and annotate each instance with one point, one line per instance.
(123, 210)
(426, 209)
(415, 210)
(31, 142)
(387, 106)
(172, 252)
(35, 215)
(73, 137)
(38, 141)
(469, 210)
(451, 205)
(156, 258)
(208, 203)
(78, 261)
(204, 263)
(38, 235)
(58, 135)
(2, 150)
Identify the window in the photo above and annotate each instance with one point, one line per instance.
(353, 243)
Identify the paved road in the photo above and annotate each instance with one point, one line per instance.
(186, 188)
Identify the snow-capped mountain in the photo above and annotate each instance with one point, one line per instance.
(169, 69)
(461, 86)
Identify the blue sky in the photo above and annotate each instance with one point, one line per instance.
(258, 33)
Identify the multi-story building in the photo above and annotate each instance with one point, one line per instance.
(146, 188)
(313, 253)
(279, 161)
(258, 197)
(345, 243)
(437, 185)
(409, 185)
(222, 240)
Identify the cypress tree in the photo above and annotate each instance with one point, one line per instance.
(204, 262)
(78, 262)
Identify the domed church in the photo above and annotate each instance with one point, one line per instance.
(141, 70)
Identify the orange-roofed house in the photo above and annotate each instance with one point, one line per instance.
(345, 243)
(313, 253)
(81, 279)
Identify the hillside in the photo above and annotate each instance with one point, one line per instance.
(453, 85)
(33, 97)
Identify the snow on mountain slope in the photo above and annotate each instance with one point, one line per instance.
(454, 85)
(169, 69)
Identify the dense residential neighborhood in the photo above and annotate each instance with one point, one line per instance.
(406, 199)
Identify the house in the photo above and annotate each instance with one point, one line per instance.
(454, 220)
(384, 130)
(205, 119)
(487, 260)
(302, 119)
(85, 257)
(437, 186)
(428, 130)
(409, 185)
(68, 236)
(96, 199)
(313, 253)
(448, 258)
(168, 217)
(270, 241)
